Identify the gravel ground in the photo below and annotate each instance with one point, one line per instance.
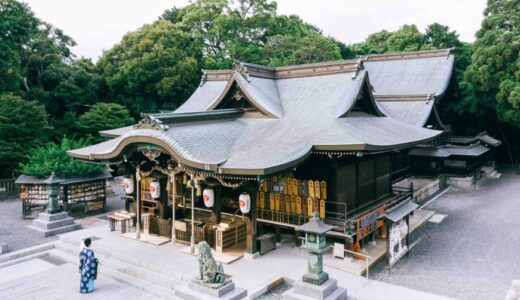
(474, 253)
(16, 235)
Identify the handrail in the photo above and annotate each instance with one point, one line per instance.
(367, 257)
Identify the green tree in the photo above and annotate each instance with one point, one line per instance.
(17, 26)
(152, 68)
(103, 116)
(53, 158)
(494, 72)
(23, 125)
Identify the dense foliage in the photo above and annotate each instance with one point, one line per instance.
(103, 116)
(43, 85)
(53, 158)
(23, 125)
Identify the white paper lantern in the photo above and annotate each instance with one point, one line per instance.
(209, 197)
(128, 185)
(245, 202)
(155, 189)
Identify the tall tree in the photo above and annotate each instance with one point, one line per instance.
(23, 125)
(17, 26)
(152, 68)
(494, 72)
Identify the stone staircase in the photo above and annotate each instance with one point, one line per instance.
(490, 172)
(156, 281)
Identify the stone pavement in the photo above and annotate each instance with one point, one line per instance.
(62, 282)
(473, 252)
(254, 275)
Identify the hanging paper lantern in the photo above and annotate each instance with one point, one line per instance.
(155, 189)
(245, 202)
(128, 185)
(209, 197)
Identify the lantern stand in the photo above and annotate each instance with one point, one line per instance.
(316, 284)
(53, 190)
(316, 245)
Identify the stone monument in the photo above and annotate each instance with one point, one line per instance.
(316, 284)
(54, 220)
(211, 281)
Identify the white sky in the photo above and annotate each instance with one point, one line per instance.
(97, 25)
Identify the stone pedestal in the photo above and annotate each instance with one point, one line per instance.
(197, 291)
(52, 224)
(328, 290)
(3, 248)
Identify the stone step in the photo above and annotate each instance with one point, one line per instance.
(55, 231)
(128, 260)
(25, 252)
(133, 270)
(107, 270)
(52, 224)
(23, 259)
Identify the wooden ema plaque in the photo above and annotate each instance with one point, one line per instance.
(305, 189)
(272, 205)
(288, 181)
(304, 207)
(265, 186)
(262, 199)
(277, 202)
(298, 205)
(315, 205)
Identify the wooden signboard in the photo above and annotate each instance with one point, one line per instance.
(315, 205)
(323, 186)
(311, 188)
(310, 209)
(317, 190)
(295, 186)
(322, 209)
(287, 204)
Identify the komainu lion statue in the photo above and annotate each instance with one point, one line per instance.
(209, 270)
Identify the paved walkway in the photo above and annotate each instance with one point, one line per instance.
(473, 253)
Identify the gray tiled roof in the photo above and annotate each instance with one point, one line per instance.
(447, 151)
(425, 74)
(305, 114)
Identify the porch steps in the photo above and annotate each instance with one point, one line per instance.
(141, 278)
(26, 254)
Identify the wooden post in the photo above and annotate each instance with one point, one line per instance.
(217, 208)
(251, 225)
(192, 238)
(174, 204)
(138, 204)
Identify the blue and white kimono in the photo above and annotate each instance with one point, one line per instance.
(88, 270)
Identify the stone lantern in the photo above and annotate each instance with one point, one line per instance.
(315, 284)
(316, 245)
(53, 190)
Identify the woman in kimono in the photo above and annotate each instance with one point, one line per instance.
(87, 267)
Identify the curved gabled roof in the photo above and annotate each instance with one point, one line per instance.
(407, 84)
(309, 111)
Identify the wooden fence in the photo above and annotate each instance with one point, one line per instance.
(7, 188)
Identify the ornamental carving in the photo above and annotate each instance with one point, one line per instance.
(239, 67)
(150, 122)
(151, 154)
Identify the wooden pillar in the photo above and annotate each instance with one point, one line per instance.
(217, 208)
(408, 232)
(138, 203)
(192, 238)
(387, 225)
(251, 224)
(174, 204)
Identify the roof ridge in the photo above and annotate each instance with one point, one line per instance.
(407, 55)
